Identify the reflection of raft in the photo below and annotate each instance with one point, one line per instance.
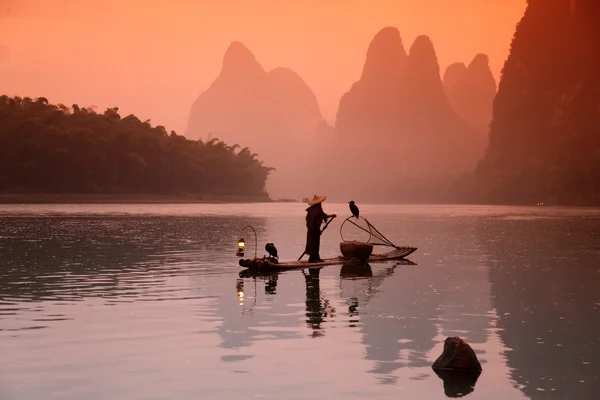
(263, 263)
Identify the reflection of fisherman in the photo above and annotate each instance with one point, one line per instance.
(315, 216)
(316, 309)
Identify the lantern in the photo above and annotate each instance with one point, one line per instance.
(242, 243)
(241, 247)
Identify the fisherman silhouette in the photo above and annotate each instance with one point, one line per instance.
(315, 216)
(353, 208)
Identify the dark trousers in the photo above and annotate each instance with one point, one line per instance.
(313, 245)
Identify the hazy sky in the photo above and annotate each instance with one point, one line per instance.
(154, 57)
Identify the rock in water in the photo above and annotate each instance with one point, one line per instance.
(457, 356)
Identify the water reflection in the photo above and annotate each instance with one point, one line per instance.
(458, 383)
(169, 281)
(241, 324)
(356, 270)
(547, 297)
(318, 310)
(350, 272)
(358, 285)
(403, 318)
(402, 331)
(399, 324)
(116, 259)
(270, 279)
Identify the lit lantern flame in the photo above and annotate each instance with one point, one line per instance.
(241, 245)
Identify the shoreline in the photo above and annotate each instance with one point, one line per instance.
(85, 198)
(106, 198)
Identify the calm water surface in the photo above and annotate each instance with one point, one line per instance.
(147, 302)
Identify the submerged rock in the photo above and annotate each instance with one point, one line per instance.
(457, 356)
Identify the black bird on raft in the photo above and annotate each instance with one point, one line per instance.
(353, 208)
(272, 250)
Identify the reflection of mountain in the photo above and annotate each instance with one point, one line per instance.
(414, 301)
(390, 332)
(402, 332)
(464, 313)
(545, 289)
(74, 257)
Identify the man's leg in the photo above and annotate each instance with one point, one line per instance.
(318, 248)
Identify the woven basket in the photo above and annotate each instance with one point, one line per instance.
(356, 250)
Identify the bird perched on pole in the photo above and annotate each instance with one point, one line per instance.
(353, 208)
(272, 250)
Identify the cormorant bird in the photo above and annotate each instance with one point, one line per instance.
(353, 208)
(272, 250)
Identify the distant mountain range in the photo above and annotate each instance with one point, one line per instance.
(398, 119)
(402, 133)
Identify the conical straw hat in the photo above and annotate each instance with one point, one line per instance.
(316, 200)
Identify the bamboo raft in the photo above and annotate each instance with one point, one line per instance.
(265, 263)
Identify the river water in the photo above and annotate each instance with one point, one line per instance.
(147, 302)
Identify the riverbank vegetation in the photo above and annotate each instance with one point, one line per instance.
(51, 148)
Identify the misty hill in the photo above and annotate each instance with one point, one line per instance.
(471, 91)
(54, 148)
(545, 133)
(396, 124)
(273, 112)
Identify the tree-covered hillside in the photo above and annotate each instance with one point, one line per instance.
(53, 148)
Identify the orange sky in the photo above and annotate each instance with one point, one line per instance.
(153, 57)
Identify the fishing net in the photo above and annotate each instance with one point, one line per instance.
(361, 230)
